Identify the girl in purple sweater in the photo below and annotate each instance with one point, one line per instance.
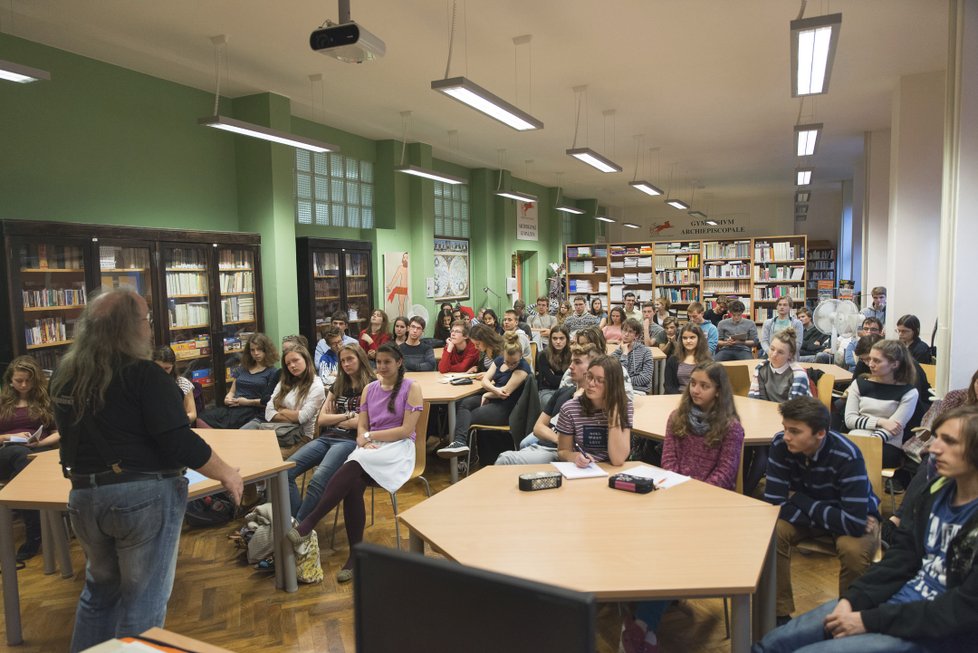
(704, 440)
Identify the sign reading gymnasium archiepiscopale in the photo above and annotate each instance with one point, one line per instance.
(731, 223)
(526, 221)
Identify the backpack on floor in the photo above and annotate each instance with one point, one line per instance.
(214, 510)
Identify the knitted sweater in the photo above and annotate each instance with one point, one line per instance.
(639, 364)
(869, 401)
(763, 373)
(459, 361)
(691, 456)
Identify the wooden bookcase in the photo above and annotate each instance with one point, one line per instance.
(821, 267)
(334, 275)
(727, 270)
(779, 270)
(201, 288)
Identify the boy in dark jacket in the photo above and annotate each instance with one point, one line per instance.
(923, 595)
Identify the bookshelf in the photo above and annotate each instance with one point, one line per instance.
(821, 272)
(334, 275)
(778, 271)
(727, 270)
(677, 273)
(587, 271)
(631, 269)
(199, 286)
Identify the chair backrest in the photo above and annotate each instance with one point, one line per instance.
(824, 388)
(930, 371)
(420, 440)
(739, 488)
(739, 376)
(525, 412)
(533, 356)
(871, 448)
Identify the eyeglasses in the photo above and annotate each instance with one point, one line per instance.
(594, 379)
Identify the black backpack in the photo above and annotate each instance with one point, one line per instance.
(214, 510)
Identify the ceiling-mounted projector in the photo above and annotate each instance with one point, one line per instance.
(347, 42)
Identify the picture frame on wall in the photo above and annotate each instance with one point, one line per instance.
(451, 269)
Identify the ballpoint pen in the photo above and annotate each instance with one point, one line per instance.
(584, 453)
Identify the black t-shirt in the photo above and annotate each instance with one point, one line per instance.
(143, 423)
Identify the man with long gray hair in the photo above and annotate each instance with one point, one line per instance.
(125, 443)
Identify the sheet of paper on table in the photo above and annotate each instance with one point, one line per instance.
(664, 479)
(447, 378)
(195, 477)
(572, 471)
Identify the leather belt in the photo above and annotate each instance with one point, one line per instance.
(88, 481)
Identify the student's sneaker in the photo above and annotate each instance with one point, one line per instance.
(454, 449)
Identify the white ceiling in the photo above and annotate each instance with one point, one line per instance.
(705, 81)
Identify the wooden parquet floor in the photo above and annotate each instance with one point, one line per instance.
(220, 599)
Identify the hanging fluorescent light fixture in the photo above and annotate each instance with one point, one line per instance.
(593, 159)
(469, 93)
(645, 187)
(803, 176)
(630, 225)
(517, 195)
(697, 214)
(813, 45)
(802, 196)
(806, 138)
(15, 72)
(266, 134)
(566, 208)
(678, 204)
(418, 171)
(603, 218)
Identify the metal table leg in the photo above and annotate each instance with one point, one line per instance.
(766, 595)
(453, 462)
(282, 522)
(60, 538)
(47, 547)
(11, 593)
(415, 543)
(740, 624)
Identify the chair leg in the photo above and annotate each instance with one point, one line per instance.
(726, 617)
(427, 487)
(397, 525)
(371, 505)
(892, 501)
(336, 519)
(468, 458)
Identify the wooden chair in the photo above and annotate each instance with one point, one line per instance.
(533, 356)
(739, 376)
(824, 387)
(529, 389)
(930, 371)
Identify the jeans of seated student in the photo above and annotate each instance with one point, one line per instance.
(806, 634)
(820, 357)
(130, 533)
(470, 411)
(328, 454)
(730, 354)
(535, 454)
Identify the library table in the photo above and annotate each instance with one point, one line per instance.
(617, 545)
(760, 419)
(839, 373)
(436, 392)
(42, 486)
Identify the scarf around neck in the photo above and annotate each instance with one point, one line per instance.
(697, 421)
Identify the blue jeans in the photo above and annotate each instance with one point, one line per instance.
(806, 634)
(130, 533)
(329, 454)
(731, 354)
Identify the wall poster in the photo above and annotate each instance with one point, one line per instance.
(451, 268)
(397, 284)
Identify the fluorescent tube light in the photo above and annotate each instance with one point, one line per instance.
(803, 176)
(516, 195)
(801, 209)
(266, 134)
(566, 208)
(806, 138)
(678, 204)
(698, 214)
(603, 218)
(15, 72)
(802, 196)
(418, 171)
(645, 187)
(813, 45)
(630, 225)
(593, 159)
(469, 93)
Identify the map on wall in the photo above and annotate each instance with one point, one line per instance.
(451, 268)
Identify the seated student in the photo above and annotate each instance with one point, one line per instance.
(597, 426)
(737, 336)
(592, 336)
(815, 345)
(563, 311)
(654, 334)
(552, 362)
(25, 407)
(635, 357)
(921, 596)
(502, 385)
(778, 379)
(782, 320)
(443, 327)
(612, 330)
(389, 411)
(878, 308)
(296, 400)
(882, 404)
(579, 319)
(597, 310)
(167, 360)
(337, 427)
(327, 353)
(339, 320)
(375, 334)
(695, 313)
(908, 331)
(680, 365)
(290, 341)
(541, 322)
(870, 326)
(632, 311)
(459, 354)
(418, 355)
(251, 389)
(668, 342)
(818, 477)
(490, 319)
(718, 312)
(511, 325)
(661, 306)
(704, 439)
(540, 447)
(399, 331)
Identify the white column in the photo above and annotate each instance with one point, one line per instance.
(959, 218)
(876, 211)
(916, 153)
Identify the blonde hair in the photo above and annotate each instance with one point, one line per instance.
(789, 338)
(511, 344)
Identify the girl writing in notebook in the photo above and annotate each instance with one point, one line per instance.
(597, 426)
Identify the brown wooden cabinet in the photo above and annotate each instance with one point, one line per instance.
(334, 275)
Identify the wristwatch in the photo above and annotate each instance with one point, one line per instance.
(366, 436)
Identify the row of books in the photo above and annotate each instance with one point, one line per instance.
(726, 270)
(186, 283)
(236, 281)
(123, 258)
(822, 274)
(777, 292)
(727, 287)
(677, 248)
(54, 297)
(680, 295)
(192, 348)
(58, 257)
(581, 266)
(47, 330)
(238, 308)
(821, 254)
(677, 276)
(326, 263)
(821, 265)
(586, 251)
(633, 279)
(579, 286)
(630, 250)
(185, 314)
(774, 272)
(663, 261)
(779, 251)
(739, 249)
(191, 259)
(235, 343)
(231, 259)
